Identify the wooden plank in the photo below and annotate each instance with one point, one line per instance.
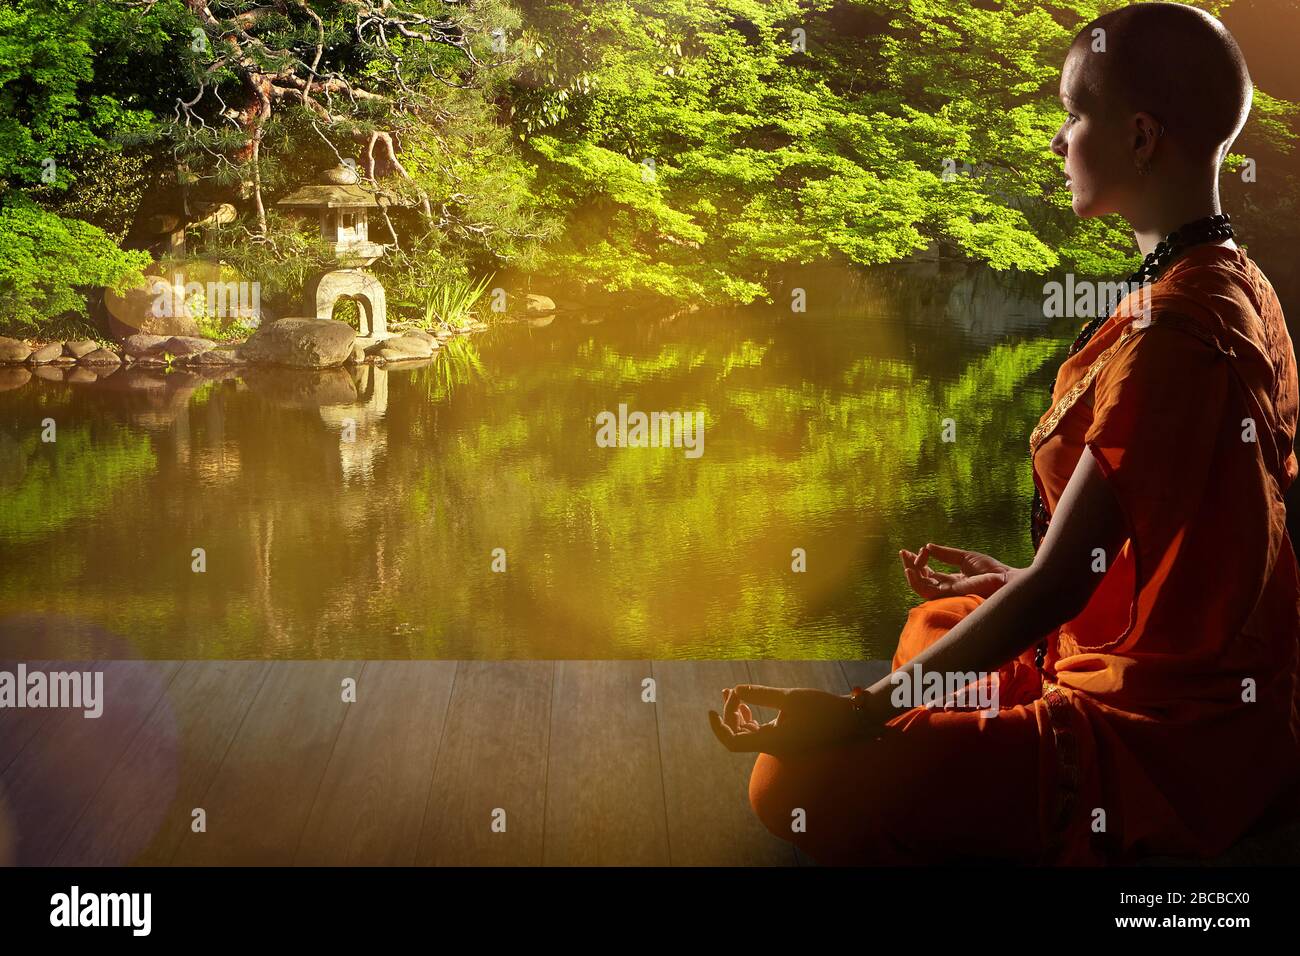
(259, 801)
(706, 787)
(51, 781)
(371, 802)
(18, 728)
(143, 811)
(587, 773)
(18, 725)
(493, 756)
(604, 797)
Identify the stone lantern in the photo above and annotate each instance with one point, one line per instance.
(344, 207)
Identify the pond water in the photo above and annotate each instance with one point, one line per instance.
(822, 431)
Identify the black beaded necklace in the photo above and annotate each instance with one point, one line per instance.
(1210, 229)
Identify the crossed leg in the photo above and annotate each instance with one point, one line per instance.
(938, 786)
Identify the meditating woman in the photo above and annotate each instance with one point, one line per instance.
(1145, 663)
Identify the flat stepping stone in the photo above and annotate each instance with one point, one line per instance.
(78, 349)
(100, 357)
(300, 342)
(142, 343)
(533, 302)
(403, 346)
(46, 353)
(14, 350)
(183, 346)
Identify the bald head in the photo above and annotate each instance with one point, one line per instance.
(1175, 62)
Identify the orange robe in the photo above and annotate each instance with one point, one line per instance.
(1169, 720)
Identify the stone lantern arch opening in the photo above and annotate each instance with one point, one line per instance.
(327, 290)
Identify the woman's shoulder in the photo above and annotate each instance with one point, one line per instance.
(1227, 293)
(1155, 336)
(1165, 348)
(1191, 306)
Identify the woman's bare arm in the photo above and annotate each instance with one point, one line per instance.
(1035, 601)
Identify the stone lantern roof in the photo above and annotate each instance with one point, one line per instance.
(333, 197)
(343, 206)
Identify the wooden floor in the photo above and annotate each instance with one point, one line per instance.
(285, 771)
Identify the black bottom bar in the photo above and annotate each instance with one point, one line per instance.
(931, 907)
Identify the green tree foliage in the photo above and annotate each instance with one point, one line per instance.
(688, 149)
(51, 119)
(405, 92)
(46, 260)
(788, 131)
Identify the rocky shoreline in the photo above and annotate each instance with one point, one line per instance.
(289, 343)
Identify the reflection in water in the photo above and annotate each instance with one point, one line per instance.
(360, 438)
(823, 433)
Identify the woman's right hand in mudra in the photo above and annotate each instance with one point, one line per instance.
(978, 574)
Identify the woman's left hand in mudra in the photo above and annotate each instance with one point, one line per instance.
(806, 720)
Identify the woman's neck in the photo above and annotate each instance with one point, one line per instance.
(1178, 203)
(1150, 237)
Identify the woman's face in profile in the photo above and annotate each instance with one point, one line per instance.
(1099, 168)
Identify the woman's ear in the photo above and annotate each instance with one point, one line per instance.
(1147, 132)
